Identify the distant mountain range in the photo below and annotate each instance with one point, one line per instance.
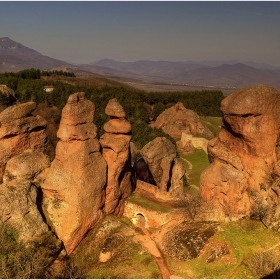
(228, 74)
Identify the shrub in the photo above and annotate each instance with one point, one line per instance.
(18, 260)
(262, 263)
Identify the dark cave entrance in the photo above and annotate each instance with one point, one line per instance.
(141, 171)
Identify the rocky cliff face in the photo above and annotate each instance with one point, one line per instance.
(243, 172)
(177, 119)
(116, 151)
(74, 185)
(20, 130)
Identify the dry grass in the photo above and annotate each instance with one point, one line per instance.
(86, 81)
(128, 260)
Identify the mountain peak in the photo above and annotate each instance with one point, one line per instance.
(6, 44)
(4, 38)
(15, 56)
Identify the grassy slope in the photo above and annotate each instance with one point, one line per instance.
(213, 123)
(199, 161)
(199, 158)
(243, 238)
(129, 260)
(148, 204)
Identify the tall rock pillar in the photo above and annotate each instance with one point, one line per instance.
(115, 144)
(73, 187)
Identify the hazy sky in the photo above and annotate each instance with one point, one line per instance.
(83, 32)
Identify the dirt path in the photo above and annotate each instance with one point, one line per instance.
(188, 162)
(148, 242)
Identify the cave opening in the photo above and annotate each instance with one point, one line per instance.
(141, 171)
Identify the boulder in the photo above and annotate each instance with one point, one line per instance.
(18, 208)
(5, 90)
(177, 178)
(116, 151)
(7, 97)
(27, 166)
(186, 240)
(73, 186)
(177, 119)
(20, 130)
(160, 155)
(20, 199)
(243, 157)
(117, 126)
(115, 109)
(185, 147)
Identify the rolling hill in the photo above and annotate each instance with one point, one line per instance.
(220, 74)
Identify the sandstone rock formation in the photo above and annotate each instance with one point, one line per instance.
(6, 90)
(185, 147)
(177, 183)
(115, 150)
(19, 195)
(26, 166)
(243, 157)
(18, 208)
(186, 240)
(7, 97)
(160, 155)
(177, 119)
(73, 187)
(52, 115)
(20, 130)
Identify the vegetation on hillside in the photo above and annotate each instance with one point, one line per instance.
(141, 107)
(19, 260)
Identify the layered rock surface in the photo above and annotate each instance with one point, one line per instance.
(20, 130)
(177, 119)
(73, 186)
(244, 157)
(116, 151)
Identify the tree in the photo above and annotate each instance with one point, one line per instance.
(191, 205)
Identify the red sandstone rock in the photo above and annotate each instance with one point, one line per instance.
(177, 119)
(27, 166)
(243, 156)
(117, 126)
(19, 198)
(115, 150)
(20, 130)
(73, 186)
(177, 182)
(18, 208)
(114, 109)
(185, 147)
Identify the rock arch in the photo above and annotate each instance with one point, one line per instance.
(139, 219)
